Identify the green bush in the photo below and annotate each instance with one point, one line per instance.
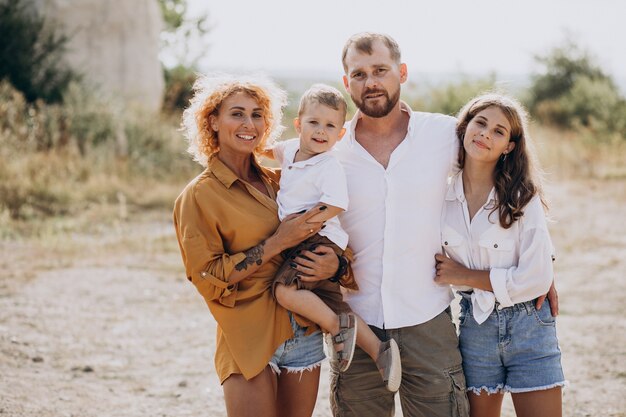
(178, 88)
(449, 98)
(31, 53)
(573, 92)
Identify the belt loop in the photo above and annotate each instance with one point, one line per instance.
(527, 306)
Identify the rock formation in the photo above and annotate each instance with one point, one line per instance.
(114, 44)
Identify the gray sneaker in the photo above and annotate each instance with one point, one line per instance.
(389, 364)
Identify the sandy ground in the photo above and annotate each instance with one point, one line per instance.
(104, 323)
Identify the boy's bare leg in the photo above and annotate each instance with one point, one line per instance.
(366, 339)
(308, 305)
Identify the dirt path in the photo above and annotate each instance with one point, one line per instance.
(105, 325)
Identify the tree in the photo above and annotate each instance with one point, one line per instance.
(182, 31)
(31, 53)
(573, 91)
(179, 60)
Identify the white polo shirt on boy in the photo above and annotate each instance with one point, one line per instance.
(303, 184)
(394, 221)
(519, 258)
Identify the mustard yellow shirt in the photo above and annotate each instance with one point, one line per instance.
(217, 217)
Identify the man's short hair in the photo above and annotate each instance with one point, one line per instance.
(363, 42)
(326, 95)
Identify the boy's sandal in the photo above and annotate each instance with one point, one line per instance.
(341, 359)
(389, 364)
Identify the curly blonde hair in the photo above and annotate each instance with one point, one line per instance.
(210, 91)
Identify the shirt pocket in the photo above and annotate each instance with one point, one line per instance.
(499, 250)
(454, 245)
(451, 240)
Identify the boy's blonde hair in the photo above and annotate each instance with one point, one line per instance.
(210, 91)
(326, 95)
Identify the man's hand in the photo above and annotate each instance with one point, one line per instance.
(553, 297)
(316, 265)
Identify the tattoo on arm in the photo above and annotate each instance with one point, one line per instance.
(253, 256)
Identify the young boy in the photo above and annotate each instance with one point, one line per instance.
(312, 177)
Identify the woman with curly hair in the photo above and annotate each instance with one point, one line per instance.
(499, 255)
(230, 240)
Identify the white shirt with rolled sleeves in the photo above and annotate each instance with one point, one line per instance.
(519, 258)
(394, 221)
(304, 184)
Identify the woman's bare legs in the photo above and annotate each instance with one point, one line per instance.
(297, 392)
(485, 405)
(251, 398)
(544, 403)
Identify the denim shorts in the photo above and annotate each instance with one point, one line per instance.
(515, 350)
(300, 353)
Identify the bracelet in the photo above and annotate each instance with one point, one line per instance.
(341, 271)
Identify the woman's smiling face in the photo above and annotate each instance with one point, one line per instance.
(488, 135)
(240, 124)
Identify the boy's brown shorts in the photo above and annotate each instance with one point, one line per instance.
(326, 290)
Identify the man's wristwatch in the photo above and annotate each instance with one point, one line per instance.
(341, 271)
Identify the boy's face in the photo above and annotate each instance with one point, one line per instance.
(319, 127)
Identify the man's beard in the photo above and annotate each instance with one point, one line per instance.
(377, 111)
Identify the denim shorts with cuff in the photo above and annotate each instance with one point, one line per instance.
(515, 350)
(300, 353)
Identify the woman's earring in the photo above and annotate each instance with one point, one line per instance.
(503, 157)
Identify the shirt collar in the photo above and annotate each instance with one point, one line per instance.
(352, 123)
(455, 189)
(456, 192)
(228, 177)
(311, 161)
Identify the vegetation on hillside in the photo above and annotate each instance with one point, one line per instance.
(64, 151)
(573, 92)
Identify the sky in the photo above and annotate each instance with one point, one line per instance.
(471, 37)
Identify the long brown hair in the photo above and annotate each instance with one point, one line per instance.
(516, 177)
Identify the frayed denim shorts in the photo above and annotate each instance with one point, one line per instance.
(300, 353)
(514, 350)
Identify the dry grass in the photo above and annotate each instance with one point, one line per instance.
(579, 155)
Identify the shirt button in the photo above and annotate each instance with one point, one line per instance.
(445, 243)
(495, 246)
(203, 274)
(290, 166)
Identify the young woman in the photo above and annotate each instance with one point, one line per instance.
(499, 253)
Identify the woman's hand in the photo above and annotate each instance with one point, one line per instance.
(553, 297)
(453, 273)
(317, 265)
(449, 271)
(295, 228)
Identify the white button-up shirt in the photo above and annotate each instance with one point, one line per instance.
(519, 258)
(394, 221)
(304, 184)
